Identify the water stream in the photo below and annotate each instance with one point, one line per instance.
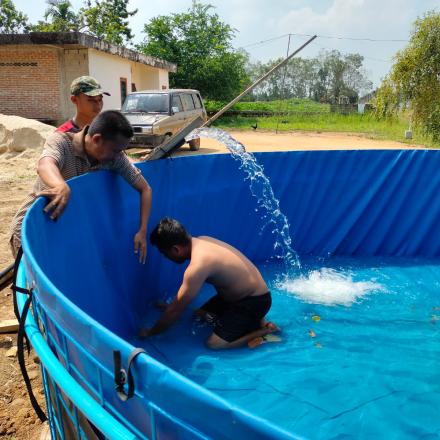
(318, 285)
(261, 189)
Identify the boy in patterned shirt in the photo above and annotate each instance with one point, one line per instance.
(66, 155)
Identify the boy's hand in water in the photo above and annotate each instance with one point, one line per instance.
(140, 246)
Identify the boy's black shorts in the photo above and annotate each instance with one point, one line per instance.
(232, 320)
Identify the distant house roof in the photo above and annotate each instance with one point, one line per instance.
(80, 40)
(367, 98)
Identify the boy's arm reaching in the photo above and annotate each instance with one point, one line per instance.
(140, 241)
(193, 280)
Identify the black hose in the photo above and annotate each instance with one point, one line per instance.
(6, 276)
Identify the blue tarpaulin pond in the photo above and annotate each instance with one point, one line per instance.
(92, 296)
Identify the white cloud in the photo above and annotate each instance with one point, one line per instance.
(373, 18)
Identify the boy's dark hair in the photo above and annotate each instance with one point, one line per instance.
(168, 233)
(110, 124)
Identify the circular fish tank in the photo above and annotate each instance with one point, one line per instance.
(359, 349)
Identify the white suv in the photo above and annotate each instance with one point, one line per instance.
(157, 115)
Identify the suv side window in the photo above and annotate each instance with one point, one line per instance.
(196, 99)
(176, 102)
(188, 103)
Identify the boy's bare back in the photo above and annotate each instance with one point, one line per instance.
(232, 274)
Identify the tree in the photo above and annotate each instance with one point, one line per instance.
(340, 75)
(108, 20)
(200, 44)
(62, 18)
(325, 78)
(414, 79)
(355, 76)
(11, 20)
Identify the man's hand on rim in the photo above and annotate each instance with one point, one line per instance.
(59, 198)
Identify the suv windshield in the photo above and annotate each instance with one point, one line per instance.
(146, 103)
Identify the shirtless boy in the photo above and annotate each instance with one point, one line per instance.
(237, 311)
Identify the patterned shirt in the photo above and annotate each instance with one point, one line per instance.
(68, 151)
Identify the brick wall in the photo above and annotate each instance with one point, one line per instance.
(30, 82)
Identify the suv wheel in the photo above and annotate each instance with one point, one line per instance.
(194, 144)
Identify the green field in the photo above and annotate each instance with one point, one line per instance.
(312, 116)
(287, 105)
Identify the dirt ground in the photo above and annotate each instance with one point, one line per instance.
(17, 419)
(259, 141)
(17, 173)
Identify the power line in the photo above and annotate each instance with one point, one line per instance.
(334, 37)
(269, 40)
(264, 41)
(375, 40)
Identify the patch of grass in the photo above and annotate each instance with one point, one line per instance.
(364, 124)
(286, 105)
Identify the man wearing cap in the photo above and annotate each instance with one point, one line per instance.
(66, 155)
(86, 95)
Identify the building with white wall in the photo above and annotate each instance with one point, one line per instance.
(36, 70)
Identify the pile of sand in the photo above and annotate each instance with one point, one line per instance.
(19, 134)
(21, 142)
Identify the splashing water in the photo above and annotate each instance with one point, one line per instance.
(262, 190)
(328, 287)
(324, 286)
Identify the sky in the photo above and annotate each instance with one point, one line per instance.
(351, 21)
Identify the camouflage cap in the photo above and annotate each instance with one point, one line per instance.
(87, 85)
